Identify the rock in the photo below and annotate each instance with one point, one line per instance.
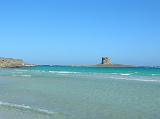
(10, 62)
(106, 62)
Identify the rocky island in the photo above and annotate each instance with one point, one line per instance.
(106, 62)
(11, 63)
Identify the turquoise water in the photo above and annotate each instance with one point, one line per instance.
(65, 92)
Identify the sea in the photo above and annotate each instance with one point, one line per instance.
(78, 92)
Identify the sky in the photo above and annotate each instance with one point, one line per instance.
(81, 31)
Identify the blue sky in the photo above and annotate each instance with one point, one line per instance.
(81, 31)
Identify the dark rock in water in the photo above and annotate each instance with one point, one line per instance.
(10, 62)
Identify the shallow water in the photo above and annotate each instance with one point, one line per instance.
(63, 92)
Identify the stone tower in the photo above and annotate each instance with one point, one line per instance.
(105, 60)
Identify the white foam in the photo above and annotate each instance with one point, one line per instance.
(145, 80)
(26, 75)
(21, 75)
(125, 74)
(63, 72)
(22, 70)
(134, 79)
(114, 73)
(26, 107)
(155, 74)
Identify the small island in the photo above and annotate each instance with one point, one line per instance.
(106, 62)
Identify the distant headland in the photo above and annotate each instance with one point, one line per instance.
(12, 63)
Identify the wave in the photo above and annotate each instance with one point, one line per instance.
(125, 74)
(25, 75)
(24, 107)
(63, 72)
(155, 74)
(21, 70)
(146, 80)
(135, 73)
(134, 79)
(122, 74)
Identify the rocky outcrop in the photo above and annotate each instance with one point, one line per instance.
(106, 62)
(10, 62)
